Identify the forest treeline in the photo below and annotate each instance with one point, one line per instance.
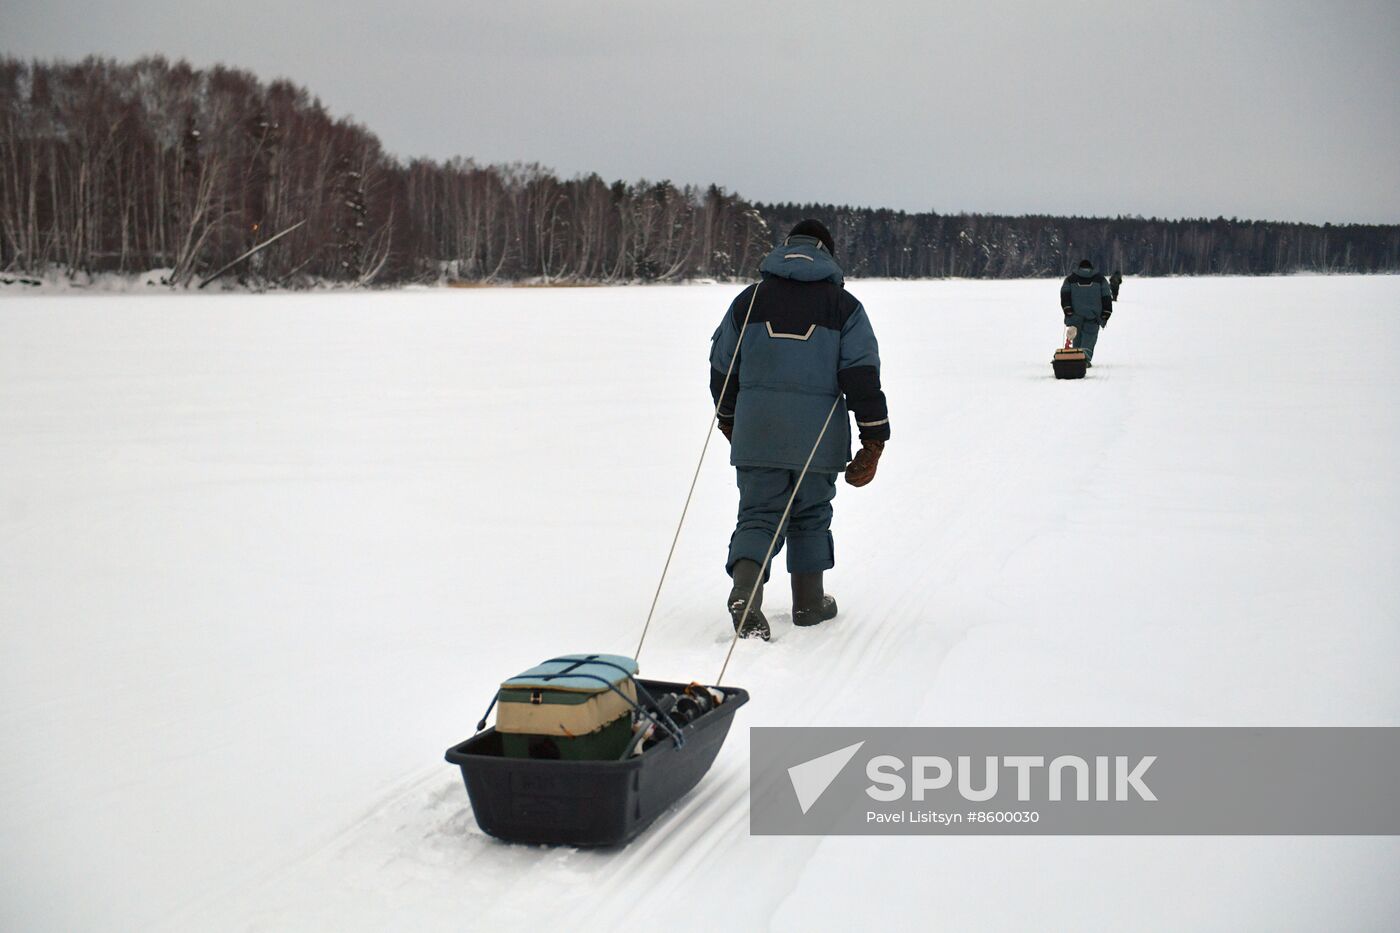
(128, 167)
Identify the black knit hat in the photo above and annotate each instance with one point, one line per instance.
(1084, 263)
(817, 229)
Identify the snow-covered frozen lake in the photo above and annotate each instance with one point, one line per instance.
(263, 558)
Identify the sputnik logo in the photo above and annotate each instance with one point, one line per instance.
(811, 778)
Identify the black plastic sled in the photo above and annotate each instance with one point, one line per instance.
(1070, 363)
(589, 803)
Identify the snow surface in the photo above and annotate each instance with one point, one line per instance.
(263, 558)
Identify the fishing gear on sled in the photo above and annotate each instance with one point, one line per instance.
(1070, 362)
(585, 752)
(591, 708)
(680, 708)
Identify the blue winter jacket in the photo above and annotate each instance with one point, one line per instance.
(808, 343)
(1086, 296)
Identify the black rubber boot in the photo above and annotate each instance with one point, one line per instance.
(745, 575)
(810, 604)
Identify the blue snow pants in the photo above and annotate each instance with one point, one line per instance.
(1087, 336)
(763, 494)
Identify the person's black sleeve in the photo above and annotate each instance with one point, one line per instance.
(858, 374)
(861, 385)
(731, 393)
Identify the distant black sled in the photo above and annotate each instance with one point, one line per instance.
(1070, 363)
(589, 803)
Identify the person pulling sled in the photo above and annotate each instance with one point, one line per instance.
(807, 346)
(1087, 302)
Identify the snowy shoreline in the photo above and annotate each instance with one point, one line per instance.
(152, 283)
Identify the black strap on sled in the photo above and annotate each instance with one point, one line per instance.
(674, 731)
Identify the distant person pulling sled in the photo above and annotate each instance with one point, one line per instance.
(1087, 301)
(807, 345)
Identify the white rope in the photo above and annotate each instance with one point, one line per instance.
(709, 432)
(763, 568)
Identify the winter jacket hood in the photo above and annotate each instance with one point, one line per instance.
(802, 259)
(1085, 272)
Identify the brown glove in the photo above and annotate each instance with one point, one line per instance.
(727, 429)
(862, 468)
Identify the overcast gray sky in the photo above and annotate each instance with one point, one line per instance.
(1276, 110)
